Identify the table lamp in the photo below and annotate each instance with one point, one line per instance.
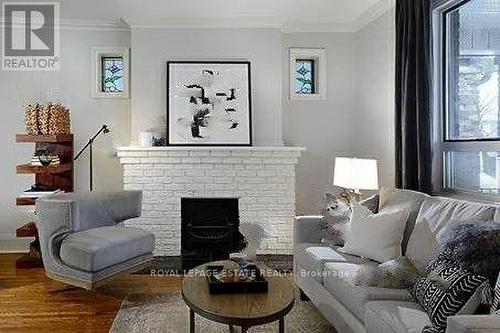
(353, 175)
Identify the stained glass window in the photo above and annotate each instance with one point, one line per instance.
(304, 78)
(112, 74)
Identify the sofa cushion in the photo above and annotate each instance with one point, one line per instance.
(395, 316)
(435, 214)
(95, 249)
(311, 260)
(403, 199)
(339, 281)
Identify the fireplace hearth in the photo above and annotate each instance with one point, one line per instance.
(209, 230)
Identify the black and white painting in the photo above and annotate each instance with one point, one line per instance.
(209, 103)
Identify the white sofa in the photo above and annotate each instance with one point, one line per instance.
(319, 270)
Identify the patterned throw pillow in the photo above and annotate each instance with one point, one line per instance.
(448, 291)
(495, 308)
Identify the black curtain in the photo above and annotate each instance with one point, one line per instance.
(413, 88)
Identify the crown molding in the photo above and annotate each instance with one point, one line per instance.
(318, 28)
(106, 25)
(372, 14)
(78, 24)
(210, 23)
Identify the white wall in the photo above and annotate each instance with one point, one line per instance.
(374, 132)
(356, 119)
(73, 83)
(152, 48)
(324, 127)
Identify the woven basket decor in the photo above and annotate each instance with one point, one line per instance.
(51, 118)
(31, 118)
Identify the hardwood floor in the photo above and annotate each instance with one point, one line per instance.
(26, 304)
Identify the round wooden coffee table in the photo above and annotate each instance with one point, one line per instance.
(245, 310)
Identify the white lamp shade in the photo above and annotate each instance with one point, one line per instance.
(356, 173)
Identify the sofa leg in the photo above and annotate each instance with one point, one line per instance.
(303, 296)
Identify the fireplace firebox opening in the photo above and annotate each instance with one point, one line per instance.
(209, 230)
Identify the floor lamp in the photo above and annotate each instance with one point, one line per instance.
(104, 129)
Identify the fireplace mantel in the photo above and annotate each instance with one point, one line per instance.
(208, 148)
(261, 177)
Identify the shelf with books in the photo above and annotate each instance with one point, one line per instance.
(47, 178)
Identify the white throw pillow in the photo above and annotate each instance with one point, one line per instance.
(375, 236)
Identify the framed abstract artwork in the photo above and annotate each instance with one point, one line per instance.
(209, 103)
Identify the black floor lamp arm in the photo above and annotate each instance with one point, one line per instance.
(104, 129)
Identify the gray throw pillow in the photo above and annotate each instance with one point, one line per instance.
(399, 273)
(471, 245)
(336, 216)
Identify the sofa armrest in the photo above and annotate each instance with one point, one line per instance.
(473, 324)
(307, 229)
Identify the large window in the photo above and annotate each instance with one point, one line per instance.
(470, 96)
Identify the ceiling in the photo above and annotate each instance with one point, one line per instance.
(292, 14)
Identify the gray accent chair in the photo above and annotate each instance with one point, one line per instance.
(82, 242)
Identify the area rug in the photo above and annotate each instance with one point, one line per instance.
(166, 312)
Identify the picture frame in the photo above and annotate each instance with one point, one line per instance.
(209, 103)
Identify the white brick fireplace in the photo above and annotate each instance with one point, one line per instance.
(262, 178)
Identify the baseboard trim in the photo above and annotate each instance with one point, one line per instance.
(9, 244)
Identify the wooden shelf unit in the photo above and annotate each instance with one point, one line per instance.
(23, 201)
(27, 168)
(45, 138)
(27, 230)
(52, 177)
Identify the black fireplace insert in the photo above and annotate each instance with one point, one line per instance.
(210, 230)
